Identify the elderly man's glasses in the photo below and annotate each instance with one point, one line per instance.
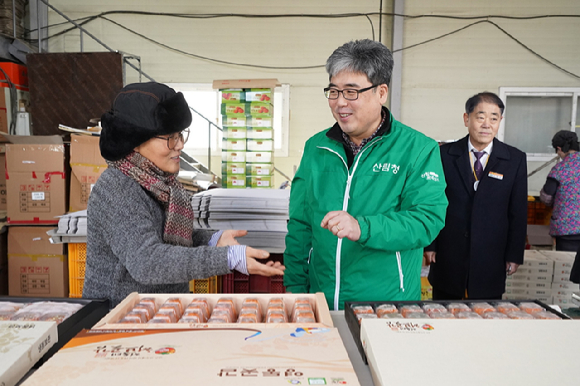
(350, 94)
(173, 139)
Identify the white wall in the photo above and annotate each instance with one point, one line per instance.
(440, 76)
(437, 77)
(279, 42)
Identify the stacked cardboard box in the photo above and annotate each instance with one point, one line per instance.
(248, 140)
(87, 165)
(544, 276)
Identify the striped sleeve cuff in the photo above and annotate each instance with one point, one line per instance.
(237, 258)
(215, 238)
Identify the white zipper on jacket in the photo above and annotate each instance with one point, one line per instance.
(344, 208)
(401, 276)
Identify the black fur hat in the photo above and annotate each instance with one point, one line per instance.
(140, 112)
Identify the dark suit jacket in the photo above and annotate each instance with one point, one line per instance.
(484, 229)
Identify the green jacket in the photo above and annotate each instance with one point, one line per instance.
(395, 188)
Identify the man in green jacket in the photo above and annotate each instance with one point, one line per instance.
(369, 193)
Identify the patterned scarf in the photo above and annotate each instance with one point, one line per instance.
(169, 192)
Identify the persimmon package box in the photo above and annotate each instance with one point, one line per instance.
(239, 355)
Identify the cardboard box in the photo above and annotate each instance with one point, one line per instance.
(232, 356)
(528, 284)
(234, 144)
(36, 268)
(260, 145)
(317, 301)
(234, 181)
(234, 156)
(530, 277)
(259, 181)
(393, 346)
(87, 165)
(260, 157)
(234, 121)
(245, 83)
(259, 122)
(545, 270)
(22, 344)
(233, 132)
(233, 168)
(260, 133)
(259, 169)
(35, 179)
(533, 258)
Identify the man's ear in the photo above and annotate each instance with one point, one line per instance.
(383, 91)
(465, 119)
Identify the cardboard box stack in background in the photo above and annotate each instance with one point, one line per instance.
(544, 276)
(36, 268)
(87, 165)
(248, 135)
(35, 180)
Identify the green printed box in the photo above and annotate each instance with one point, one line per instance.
(235, 109)
(259, 145)
(233, 95)
(259, 169)
(259, 157)
(233, 156)
(233, 144)
(259, 181)
(259, 122)
(234, 168)
(232, 132)
(259, 133)
(234, 121)
(232, 181)
(258, 95)
(261, 110)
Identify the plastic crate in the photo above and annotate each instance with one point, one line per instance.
(206, 286)
(77, 256)
(538, 213)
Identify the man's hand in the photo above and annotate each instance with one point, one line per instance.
(229, 238)
(429, 257)
(256, 268)
(341, 224)
(511, 268)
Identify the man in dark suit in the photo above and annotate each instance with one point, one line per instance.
(485, 227)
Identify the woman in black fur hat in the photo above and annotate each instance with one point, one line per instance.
(140, 235)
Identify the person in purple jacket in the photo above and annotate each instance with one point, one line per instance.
(562, 191)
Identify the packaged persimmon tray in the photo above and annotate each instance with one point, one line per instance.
(162, 311)
(355, 312)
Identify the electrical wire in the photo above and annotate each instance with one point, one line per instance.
(345, 15)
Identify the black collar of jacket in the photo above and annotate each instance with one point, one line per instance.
(499, 149)
(335, 133)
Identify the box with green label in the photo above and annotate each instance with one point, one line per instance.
(234, 168)
(259, 157)
(235, 109)
(233, 95)
(233, 144)
(232, 132)
(234, 121)
(259, 133)
(233, 156)
(259, 145)
(259, 181)
(258, 95)
(259, 169)
(259, 122)
(234, 181)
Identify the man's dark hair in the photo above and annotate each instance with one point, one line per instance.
(487, 97)
(364, 56)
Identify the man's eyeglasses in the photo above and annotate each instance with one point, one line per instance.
(350, 94)
(173, 139)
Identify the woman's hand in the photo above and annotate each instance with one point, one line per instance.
(256, 268)
(229, 238)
